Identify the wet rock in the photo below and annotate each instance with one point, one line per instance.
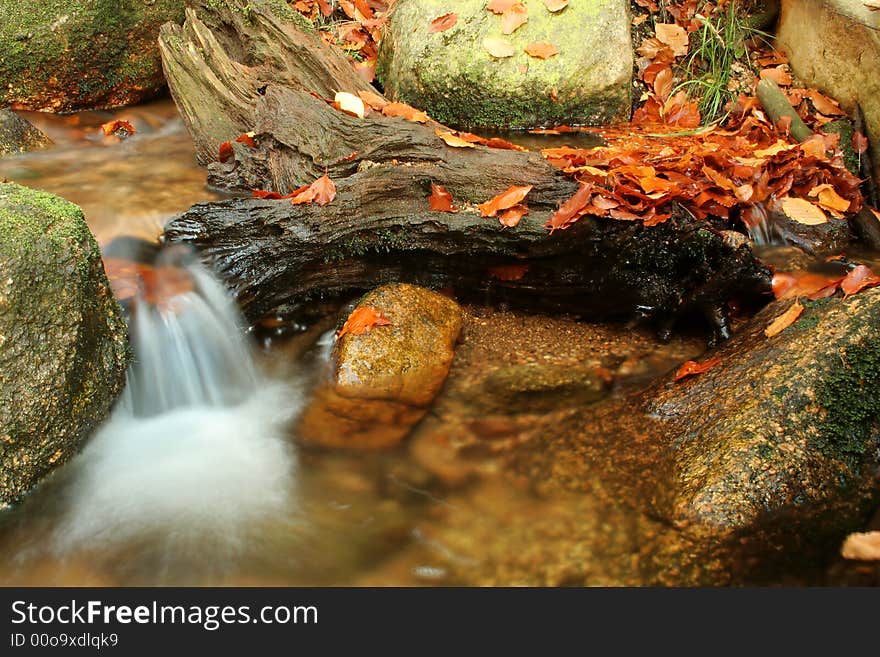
(832, 236)
(775, 452)
(65, 55)
(834, 45)
(63, 346)
(535, 388)
(384, 380)
(452, 76)
(19, 136)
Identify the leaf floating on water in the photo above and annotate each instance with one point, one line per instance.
(507, 199)
(541, 50)
(692, 367)
(452, 139)
(785, 320)
(513, 18)
(225, 152)
(555, 5)
(440, 199)
(118, 127)
(361, 321)
(443, 23)
(498, 48)
(802, 211)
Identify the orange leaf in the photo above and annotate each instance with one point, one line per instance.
(779, 75)
(513, 18)
(512, 216)
(663, 82)
(673, 36)
(375, 101)
(503, 201)
(692, 367)
(858, 279)
(509, 272)
(321, 192)
(785, 320)
(247, 139)
(860, 142)
(824, 104)
(570, 210)
(498, 48)
(119, 128)
(500, 6)
(453, 140)
(440, 199)
(555, 5)
(269, 196)
(829, 198)
(802, 211)
(361, 320)
(225, 153)
(405, 111)
(542, 50)
(443, 23)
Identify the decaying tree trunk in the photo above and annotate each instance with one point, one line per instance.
(239, 66)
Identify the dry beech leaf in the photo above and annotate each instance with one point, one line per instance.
(555, 5)
(440, 200)
(498, 48)
(350, 104)
(453, 140)
(864, 546)
(860, 142)
(513, 18)
(506, 199)
(320, 192)
(785, 320)
(692, 367)
(512, 216)
(225, 152)
(858, 278)
(673, 36)
(119, 128)
(802, 211)
(541, 50)
(247, 139)
(404, 111)
(500, 6)
(779, 75)
(824, 104)
(829, 199)
(361, 321)
(443, 23)
(375, 101)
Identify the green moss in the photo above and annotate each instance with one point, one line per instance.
(844, 128)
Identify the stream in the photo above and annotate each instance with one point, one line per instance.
(197, 478)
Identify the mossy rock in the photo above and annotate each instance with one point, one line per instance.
(63, 341)
(452, 76)
(19, 136)
(65, 55)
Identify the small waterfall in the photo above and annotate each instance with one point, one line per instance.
(196, 446)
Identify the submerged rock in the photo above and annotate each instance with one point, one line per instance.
(452, 76)
(65, 55)
(63, 346)
(19, 136)
(384, 380)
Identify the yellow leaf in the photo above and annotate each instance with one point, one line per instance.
(829, 198)
(498, 48)
(803, 212)
(452, 140)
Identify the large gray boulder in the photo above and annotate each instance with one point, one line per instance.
(63, 344)
(64, 55)
(452, 76)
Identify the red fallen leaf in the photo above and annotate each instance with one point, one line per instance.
(860, 142)
(779, 75)
(692, 367)
(507, 199)
(119, 128)
(498, 142)
(784, 320)
(361, 321)
(404, 111)
(786, 285)
(270, 196)
(673, 36)
(858, 279)
(663, 82)
(440, 199)
(513, 18)
(569, 210)
(247, 139)
(512, 216)
(500, 6)
(541, 50)
(824, 104)
(320, 192)
(225, 152)
(508, 272)
(443, 23)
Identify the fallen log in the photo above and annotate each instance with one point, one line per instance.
(239, 66)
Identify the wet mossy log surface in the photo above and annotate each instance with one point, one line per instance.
(236, 67)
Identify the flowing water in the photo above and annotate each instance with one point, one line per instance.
(196, 478)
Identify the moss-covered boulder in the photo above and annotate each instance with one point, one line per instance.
(63, 345)
(64, 55)
(775, 452)
(452, 75)
(19, 136)
(384, 380)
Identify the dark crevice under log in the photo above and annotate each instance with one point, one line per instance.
(233, 70)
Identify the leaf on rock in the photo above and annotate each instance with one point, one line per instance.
(507, 199)
(440, 200)
(829, 199)
(453, 140)
(513, 18)
(375, 101)
(673, 36)
(500, 6)
(571, 209)
(118, 127)
(361, 321)
(541, 50)
(498, 48)
(225, 152)
(512, 216)
(824, 104)
(555, 5)
(802, 211)
(349, 104)
(320, 192)
(404, 111)
(269, 196)
(785, 320)
(858, 279)
(692, 367)
(443, 23)
(247, 139)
